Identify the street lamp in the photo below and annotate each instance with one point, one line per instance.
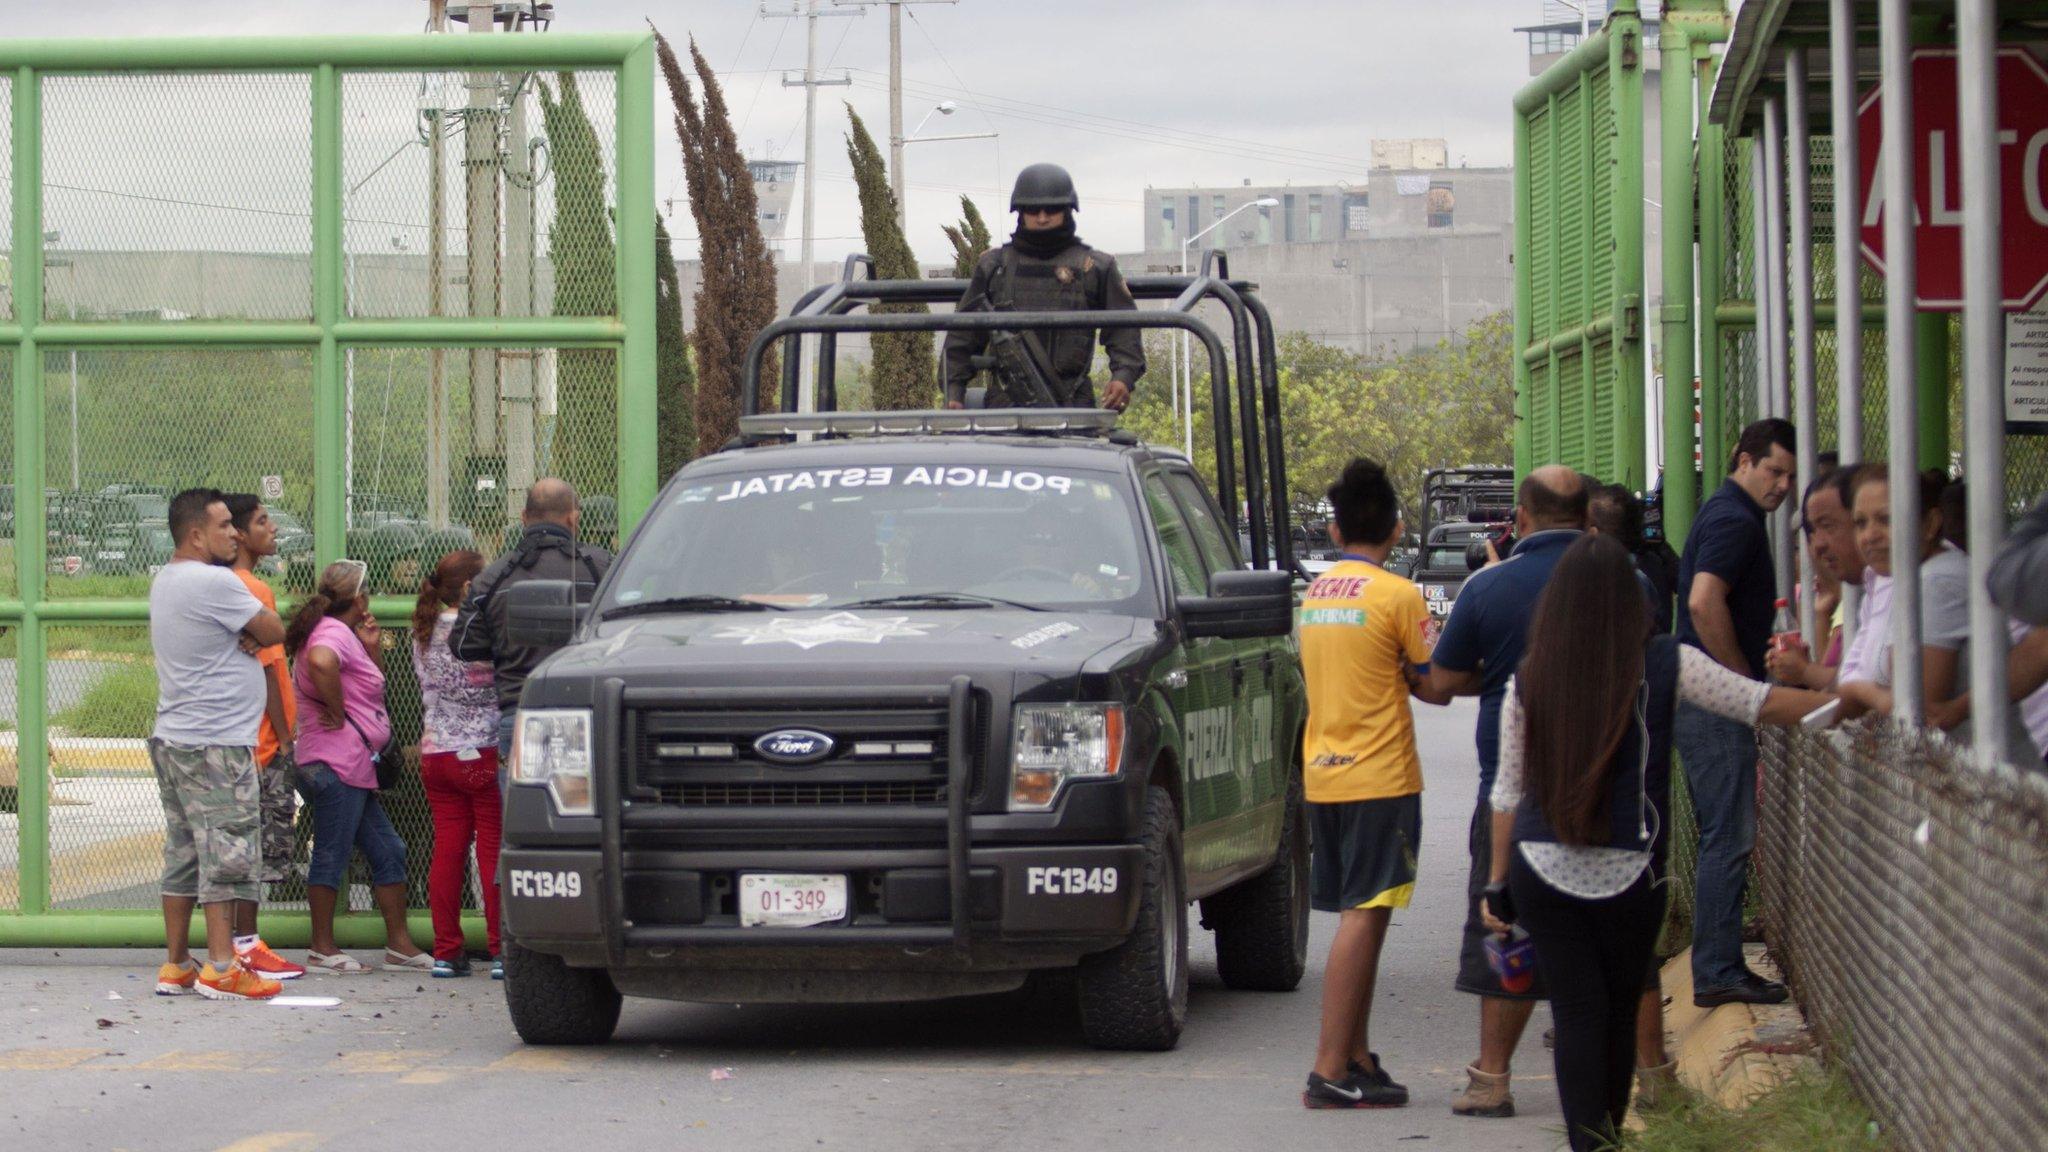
(1184, 371)
(942, 108)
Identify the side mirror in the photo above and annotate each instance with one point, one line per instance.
(1241, 605)
(541, 613)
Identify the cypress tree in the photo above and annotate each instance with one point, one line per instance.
(737, 297)
(675, 380)
(970, 238)
(904, 375)
(580, 245)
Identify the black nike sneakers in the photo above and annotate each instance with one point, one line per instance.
(1360, 1088)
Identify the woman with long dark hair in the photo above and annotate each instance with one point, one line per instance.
(333, 642)
(1582, 798)
(458, 762)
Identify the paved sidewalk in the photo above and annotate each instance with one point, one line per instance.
(414, 1062)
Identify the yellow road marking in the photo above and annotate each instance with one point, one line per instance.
(373, 1063)
(178, 1061)
(541, 1060)
(45, 1059)
(273, 1142)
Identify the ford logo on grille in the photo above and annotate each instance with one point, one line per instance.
(795, 746)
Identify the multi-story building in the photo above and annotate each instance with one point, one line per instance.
(1410, 257)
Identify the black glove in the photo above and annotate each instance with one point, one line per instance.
(1500, 901)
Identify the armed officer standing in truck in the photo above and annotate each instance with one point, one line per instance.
(1045, 268)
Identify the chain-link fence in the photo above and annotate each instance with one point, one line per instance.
(1904, 892)
(387, 291)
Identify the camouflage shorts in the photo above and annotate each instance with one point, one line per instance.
(212, 802)
(277, 784)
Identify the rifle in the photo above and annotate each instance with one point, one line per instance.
(1021, 363)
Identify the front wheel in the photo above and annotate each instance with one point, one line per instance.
(1135, 996)
(1262, 923)
(552, 1003)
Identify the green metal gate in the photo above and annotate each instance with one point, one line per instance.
(260, 265)
(1579, 321)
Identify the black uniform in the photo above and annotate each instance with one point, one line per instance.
(544, 552)
(1076, 278)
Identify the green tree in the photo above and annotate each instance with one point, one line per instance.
(585, 257)
(675, 380)
(970, 238)
(1445, 405)
(903, 375)
(737, 297)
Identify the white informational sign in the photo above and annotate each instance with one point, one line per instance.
(273, 488)
(2026, 372)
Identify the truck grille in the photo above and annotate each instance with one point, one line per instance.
(884, 754)
(770, 795)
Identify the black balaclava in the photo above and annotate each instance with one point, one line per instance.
(1047, 244)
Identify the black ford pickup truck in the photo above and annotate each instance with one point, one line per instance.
(908, 716)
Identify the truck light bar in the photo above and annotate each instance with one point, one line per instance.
(918, 422)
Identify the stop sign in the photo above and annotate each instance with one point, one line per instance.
(1938, 179)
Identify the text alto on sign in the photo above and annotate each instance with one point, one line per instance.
(1938, 179)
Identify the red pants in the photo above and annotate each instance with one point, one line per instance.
(463, 796)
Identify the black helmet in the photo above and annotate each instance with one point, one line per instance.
(1044, 186)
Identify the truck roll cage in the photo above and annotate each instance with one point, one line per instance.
(842, 306)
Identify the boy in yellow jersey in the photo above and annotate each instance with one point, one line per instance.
(1365, 641)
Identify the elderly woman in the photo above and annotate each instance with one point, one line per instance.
(333, 642)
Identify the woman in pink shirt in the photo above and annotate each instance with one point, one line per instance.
(333, 641)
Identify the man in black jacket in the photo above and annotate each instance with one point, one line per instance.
(1046, 268)
(547, 550)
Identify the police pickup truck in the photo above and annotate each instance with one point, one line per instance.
(908, 716)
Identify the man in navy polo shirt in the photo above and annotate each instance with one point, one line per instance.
(1728, 589)
(1477, 653)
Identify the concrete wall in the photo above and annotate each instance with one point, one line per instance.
(1484, 198)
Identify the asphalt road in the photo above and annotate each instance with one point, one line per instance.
(411, 1062)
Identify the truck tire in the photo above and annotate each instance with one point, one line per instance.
(1261, 924)
(552, 1003)
(1135, 996)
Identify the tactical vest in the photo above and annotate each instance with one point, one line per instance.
(1072, 281)
(1639, 788)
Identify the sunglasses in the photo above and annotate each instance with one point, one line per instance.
(362, 570)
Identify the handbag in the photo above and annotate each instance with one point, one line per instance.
(386, 759)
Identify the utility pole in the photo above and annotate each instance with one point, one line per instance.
(480, 178)
(810, 84)
(896, 138)
(440, 465)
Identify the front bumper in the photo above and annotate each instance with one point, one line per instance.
(1026, 906)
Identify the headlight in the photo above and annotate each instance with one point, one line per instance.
(551, 746)
(1054, 743)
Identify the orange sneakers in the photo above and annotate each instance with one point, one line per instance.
(237, 983)
(177, 979)
(267, 964)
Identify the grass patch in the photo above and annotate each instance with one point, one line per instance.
(1816, 1112)
(121, 703)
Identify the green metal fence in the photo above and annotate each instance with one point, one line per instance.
(1579, 258)
(269, 263)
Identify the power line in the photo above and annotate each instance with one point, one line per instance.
(1189, 139)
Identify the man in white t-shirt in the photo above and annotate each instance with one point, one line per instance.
(205, 628)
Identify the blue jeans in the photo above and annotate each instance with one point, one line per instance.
(507, 721)
(346, 817)
(1720, 772)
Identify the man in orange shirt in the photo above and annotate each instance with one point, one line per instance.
(1366, 637)
(274, 770)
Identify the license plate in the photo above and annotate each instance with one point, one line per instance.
(784, 900)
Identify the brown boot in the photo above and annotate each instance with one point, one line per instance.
(1486, 1094)
(1657, 1086)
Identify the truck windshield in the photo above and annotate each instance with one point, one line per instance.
(824, 537)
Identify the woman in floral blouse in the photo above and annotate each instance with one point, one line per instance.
(458, 763)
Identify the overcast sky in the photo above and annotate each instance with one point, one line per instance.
(1125, 94)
